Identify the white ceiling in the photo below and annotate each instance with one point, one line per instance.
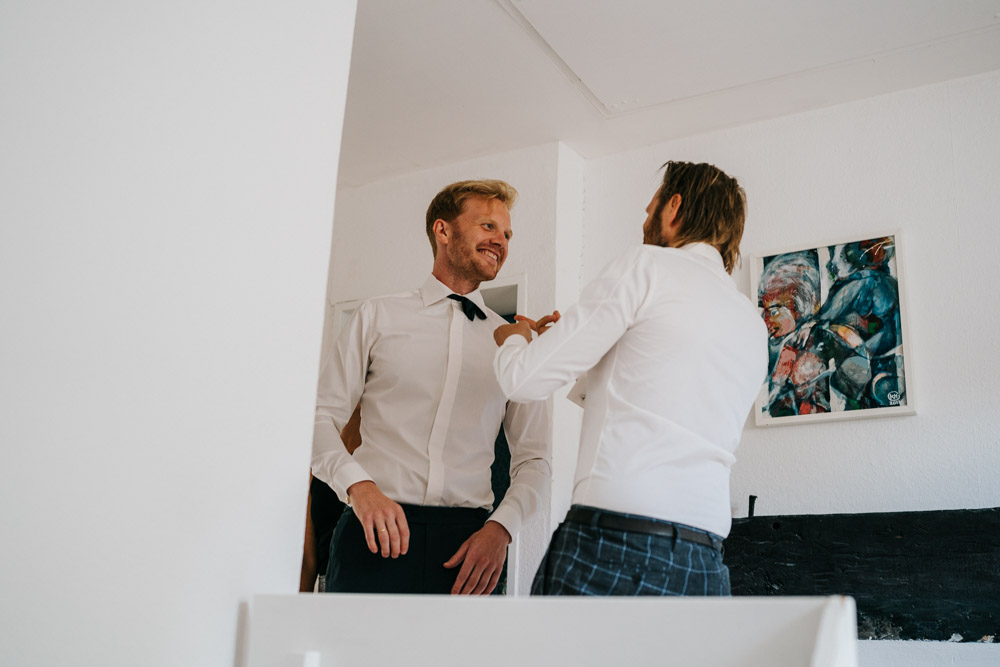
(435, 81)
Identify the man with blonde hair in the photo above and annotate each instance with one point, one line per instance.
(420, 363)
(674, 356)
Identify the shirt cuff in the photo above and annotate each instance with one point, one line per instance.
(350, 473)
(517, 340)
(508, 518)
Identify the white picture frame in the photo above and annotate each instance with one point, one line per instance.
(838, 345)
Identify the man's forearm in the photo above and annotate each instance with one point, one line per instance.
(331, 463)
(529, 488)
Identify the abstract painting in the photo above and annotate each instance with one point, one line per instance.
(836, 324)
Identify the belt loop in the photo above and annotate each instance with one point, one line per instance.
(595, 518)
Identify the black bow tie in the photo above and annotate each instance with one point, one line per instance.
(471, 310)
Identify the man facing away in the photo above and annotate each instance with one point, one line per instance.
(674, 356)
(420, 363)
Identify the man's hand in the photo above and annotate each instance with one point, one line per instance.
(380, 517)
(543, 324)
(505, 331)
(482, 557)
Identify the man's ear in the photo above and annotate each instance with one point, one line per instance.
(441, 232)
(669, 216)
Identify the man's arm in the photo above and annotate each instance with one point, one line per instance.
(607, 308)
(341, 384)
(528, 428)
(524, 326)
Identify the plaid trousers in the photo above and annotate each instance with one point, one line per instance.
(587, 560)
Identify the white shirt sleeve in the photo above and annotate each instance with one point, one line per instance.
(341, 383)
(607, 308)
(527, 427)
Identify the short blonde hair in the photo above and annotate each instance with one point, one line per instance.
(447, 204)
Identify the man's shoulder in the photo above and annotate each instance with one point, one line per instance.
(378, 312)
(638, 258)
(398, 299)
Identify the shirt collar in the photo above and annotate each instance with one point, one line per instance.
(707, 253)
(433, 290)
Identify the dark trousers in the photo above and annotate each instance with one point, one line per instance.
(436, 533)
(325, 509)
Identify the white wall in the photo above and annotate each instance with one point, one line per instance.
(168, 173)
(922, 161)
(380, 246)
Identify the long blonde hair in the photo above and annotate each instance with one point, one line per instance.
(713, 207)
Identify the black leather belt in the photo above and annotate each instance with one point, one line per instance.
(592, 517)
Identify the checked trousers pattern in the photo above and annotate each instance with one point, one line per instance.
(587, 560)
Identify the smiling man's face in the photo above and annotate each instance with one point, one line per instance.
(480, 234)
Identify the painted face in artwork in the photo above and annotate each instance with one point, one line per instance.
(839, 266)
(779, 313)
(480, 235)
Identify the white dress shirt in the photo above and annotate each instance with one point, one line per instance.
(431, 408)
(674, 357)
